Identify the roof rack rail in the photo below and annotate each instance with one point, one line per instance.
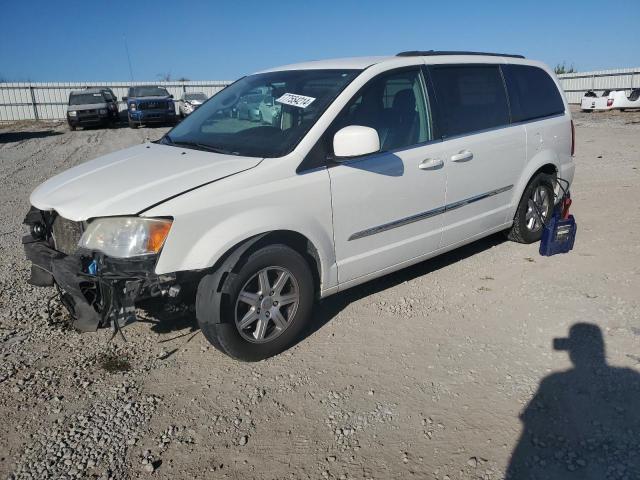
(432, 53)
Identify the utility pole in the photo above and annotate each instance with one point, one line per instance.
(126, 47)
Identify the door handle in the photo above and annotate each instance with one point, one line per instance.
(463, 156)
(430, 164)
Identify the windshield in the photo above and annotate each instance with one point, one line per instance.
(200, 97)
(86, 98)
(263, 115)
(148, 92)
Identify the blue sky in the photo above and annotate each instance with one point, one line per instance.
(216, 40)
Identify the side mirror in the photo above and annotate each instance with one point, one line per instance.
(354, 141)
(124, 99)
(170, 96)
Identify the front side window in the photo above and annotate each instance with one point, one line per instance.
(395, 106)
(263, 115)
(470, 98)
(532, 92)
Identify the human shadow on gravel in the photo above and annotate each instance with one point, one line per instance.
(329, 308)
(583, 423)
(11, 137)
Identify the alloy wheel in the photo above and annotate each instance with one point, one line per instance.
(537, 208)
(267, 304)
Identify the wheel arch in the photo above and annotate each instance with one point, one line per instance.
(545, 162)
(295, 240)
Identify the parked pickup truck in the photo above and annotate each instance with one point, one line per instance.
(149, 105)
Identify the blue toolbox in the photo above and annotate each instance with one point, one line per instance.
(559, 232)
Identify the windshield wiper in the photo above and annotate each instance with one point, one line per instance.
(200, 146)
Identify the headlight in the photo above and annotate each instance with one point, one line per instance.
(132, 106)
(103, 111)
(72, 113)
(125, 237)
(188, 106)
(170, 106)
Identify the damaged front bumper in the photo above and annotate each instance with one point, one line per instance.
(98, 291)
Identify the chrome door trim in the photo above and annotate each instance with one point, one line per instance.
(476, 198)
(428, 214)
(397, 223)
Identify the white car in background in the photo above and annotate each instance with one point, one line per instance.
(189, 102)
(622, 100)
(591, 101)
(610, 100)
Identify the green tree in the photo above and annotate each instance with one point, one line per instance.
(562, 68)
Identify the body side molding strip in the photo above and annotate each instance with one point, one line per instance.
(428, 214)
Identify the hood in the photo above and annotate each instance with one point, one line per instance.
(130, 181)
(87, 106)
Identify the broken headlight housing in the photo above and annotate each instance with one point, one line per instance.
(125, 237)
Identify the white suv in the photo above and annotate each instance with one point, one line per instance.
(366, 166)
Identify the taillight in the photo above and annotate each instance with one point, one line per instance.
(573, 139)
(609, 102)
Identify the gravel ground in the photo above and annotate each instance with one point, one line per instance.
(445, 370)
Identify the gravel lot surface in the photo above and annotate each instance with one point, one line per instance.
(445, 370)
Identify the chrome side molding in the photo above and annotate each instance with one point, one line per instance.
(428, 214)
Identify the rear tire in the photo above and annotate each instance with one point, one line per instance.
(526, 227)
(263, 306)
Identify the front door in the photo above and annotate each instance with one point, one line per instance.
(387, 206)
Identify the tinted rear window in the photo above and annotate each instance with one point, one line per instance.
(470, 98)
(532, 92)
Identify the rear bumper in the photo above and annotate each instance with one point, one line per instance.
(567, 170)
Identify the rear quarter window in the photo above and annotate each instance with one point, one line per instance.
(532, 93)
(470, 98)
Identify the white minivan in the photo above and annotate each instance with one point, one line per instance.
(366, 166)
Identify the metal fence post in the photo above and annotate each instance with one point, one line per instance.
(33, 103)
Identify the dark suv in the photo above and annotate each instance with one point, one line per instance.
(149, 105)
(91, 107)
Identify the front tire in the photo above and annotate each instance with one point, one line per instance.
(537, 197)
(133, 124)
(262, 307)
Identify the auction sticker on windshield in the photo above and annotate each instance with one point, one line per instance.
(295, 100)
